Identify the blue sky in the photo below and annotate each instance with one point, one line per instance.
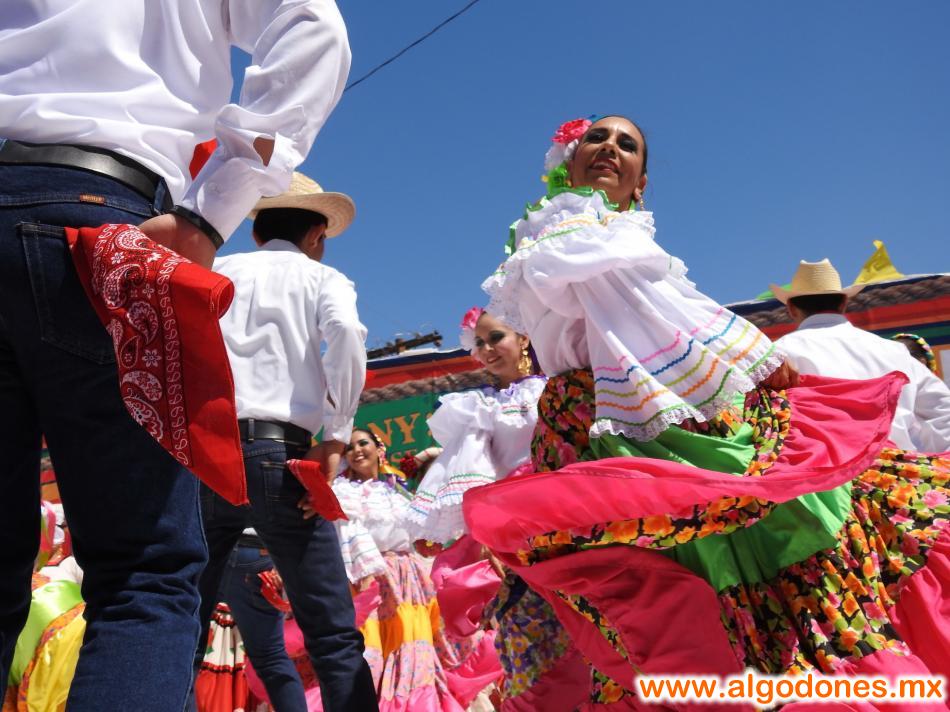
(777, 132)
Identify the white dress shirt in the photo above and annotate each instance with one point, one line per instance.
(151, 79)
(829, 345)
(285, 305)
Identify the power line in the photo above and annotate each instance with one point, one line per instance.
(409, 47)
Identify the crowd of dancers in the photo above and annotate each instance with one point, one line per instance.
(652, 486)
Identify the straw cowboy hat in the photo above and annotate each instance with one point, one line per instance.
(814, 278)
(306, 194)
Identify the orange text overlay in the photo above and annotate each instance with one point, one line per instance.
(769, 690)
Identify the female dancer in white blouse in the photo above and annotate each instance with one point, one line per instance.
(404, 642)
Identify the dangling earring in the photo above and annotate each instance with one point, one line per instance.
(524, 363)
(640, 204)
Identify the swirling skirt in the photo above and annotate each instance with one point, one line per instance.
(782, 536)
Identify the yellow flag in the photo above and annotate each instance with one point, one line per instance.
(879, 267)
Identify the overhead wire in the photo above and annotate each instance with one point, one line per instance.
(405, 49)
(410, 46)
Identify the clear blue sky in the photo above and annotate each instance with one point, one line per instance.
(777, 131)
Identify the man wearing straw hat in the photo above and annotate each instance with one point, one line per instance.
(286, 305)
(827, 344)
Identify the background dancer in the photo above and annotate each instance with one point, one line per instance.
(919, 349)
(486, 434)
(404, 638)
(827, 344)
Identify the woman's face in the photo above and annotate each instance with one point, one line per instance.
(498, 348)
(610, 158)
(362, 455)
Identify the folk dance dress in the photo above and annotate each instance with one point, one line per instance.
(405, 646)
(682, 518)
(486, 436)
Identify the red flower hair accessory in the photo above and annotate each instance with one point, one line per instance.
(565, 139)
(467, 337)
(571, 130)
(408, 465)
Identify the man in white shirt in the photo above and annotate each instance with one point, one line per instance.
(101, 105)
(286, 305)
(827, 344)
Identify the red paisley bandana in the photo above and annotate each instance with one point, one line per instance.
(162, 312)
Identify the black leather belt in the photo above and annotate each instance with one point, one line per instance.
(89, 158)
(253, 429)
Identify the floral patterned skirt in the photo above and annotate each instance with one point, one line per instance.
(827, 551)
(543, 670)
(405, 645)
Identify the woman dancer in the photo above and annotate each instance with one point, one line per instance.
(486, 436)
(744, 526)
(485, 433)
(404, 635)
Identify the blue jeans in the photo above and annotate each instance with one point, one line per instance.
(306, 553)
(132, 509)
(261, 626)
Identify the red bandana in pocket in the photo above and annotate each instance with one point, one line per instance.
(162, 312)
(322, 498)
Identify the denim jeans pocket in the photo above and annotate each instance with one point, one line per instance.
(280, 485)
(206, 500)
(66, 318)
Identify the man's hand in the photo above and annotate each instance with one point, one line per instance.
(179, 235)
(328, 454)
(427, 548)
(785, 376)
(305, 505)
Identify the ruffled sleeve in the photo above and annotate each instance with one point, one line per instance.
(462, 426)
(361, 556)
(592, 288)
(485, 435)
(516, 415)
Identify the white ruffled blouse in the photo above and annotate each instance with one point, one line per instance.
(592, 289)
(485, 435)
(377, 516)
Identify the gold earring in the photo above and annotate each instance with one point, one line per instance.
(640, 204)
(524, 363)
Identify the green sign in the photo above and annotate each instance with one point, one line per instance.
(400, 424)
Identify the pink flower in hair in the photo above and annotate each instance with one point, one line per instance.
(565, 141)
(571, 130)
(467, 337)
(471, 318)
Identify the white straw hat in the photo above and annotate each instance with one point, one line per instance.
(814, 278)
(306, 194)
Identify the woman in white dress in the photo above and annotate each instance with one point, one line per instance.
(404, 642)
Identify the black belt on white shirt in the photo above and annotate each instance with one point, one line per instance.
(88, 158)
(253, 429)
